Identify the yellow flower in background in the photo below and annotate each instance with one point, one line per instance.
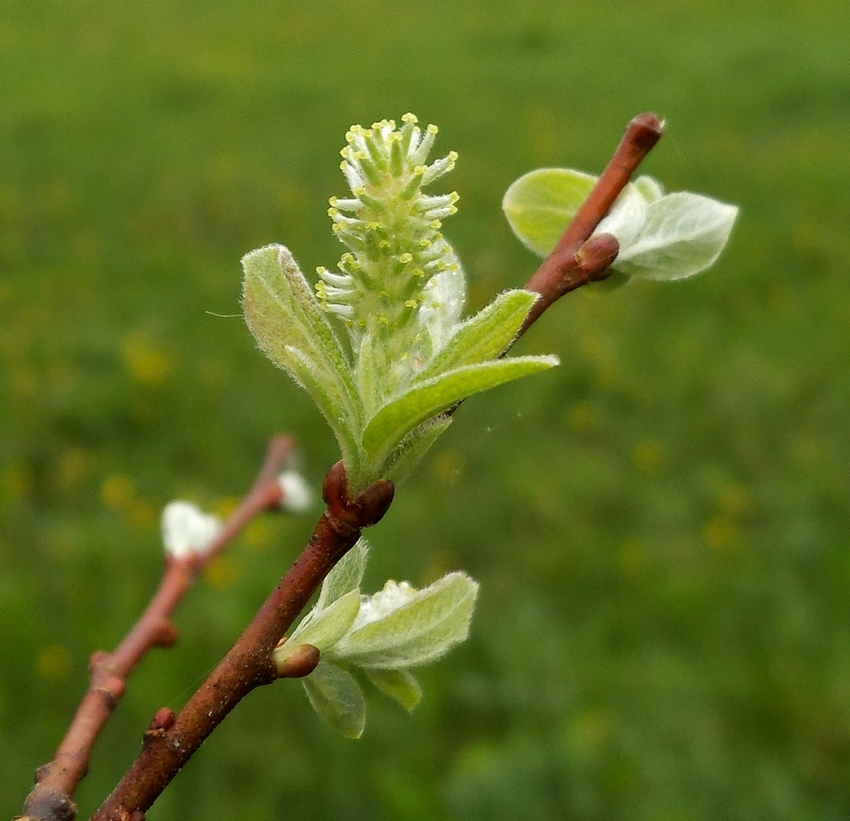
(148, 363)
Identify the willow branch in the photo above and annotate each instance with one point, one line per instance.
(56, 782)
(577, 260)
(172, 739)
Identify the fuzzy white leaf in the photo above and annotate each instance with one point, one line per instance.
(443, 303)
(683, 234)
(649, 187)
(346, 575)
(626, 218)
(297, 496)
(187, 530)
(418, 631)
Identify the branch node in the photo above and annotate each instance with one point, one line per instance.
(347, 515)
(302, 661)
(596, 256)
(166, 634)
(159, 726)
(111, 688)
(163, 719)
(49, 806)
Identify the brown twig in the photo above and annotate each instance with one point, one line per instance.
(248, 664)
(52, 797)
(171, 740)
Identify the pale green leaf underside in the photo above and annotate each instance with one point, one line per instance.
(294, 332)
(337, 698)
(307, 374)
(395, 420)
(346, 575)
(484, 336)
(398, 684)
(324, 627)
(540, 205)
(662, 237)
(433, 621)
(281, 305)
(626, 218)
(683, 234)
(649, 187)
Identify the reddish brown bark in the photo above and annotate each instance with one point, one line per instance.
(52, 797)
(248, 664)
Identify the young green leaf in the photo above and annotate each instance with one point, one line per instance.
(485, 335)
(281, 310)
(291, 328)
(413, 447)
(432, 621)
(324, 627)
(337, 698)
(540, 205)
(398, 684)
(663, 237)
(396, 419)
(304, 371)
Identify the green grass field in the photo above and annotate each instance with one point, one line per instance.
(660, 526)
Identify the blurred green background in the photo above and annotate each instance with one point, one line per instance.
(660, 526)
